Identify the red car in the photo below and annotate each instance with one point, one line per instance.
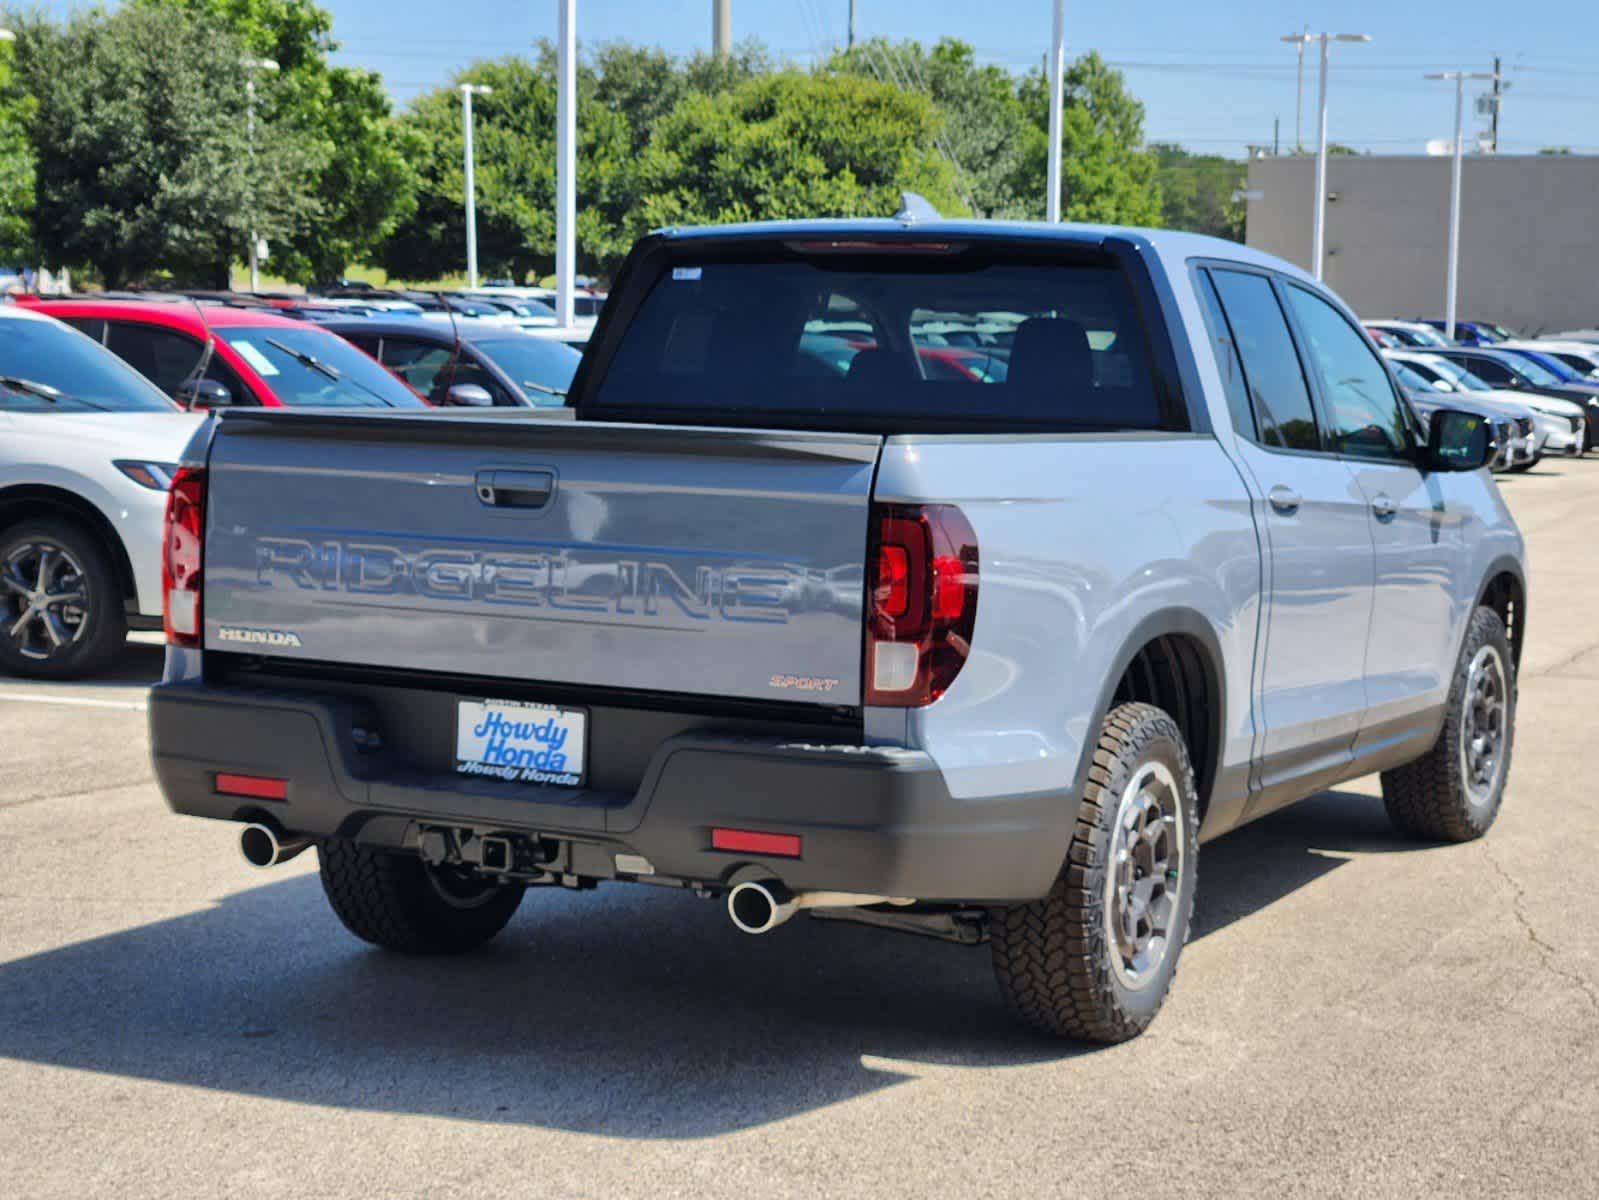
(258, 358)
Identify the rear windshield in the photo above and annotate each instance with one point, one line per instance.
(888, 341)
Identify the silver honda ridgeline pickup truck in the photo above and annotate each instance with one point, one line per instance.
(953, 577)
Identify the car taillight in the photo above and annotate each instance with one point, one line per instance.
(921, 602)
(181, 541)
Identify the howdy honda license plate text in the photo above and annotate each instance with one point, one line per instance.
(523, 743)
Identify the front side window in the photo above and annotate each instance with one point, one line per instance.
(1278, 392)
(1227, 361)
(1364, 414)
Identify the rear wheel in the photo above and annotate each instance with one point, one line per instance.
(1095, 958)
(400, 903)
(1453, 792)
(61, 602)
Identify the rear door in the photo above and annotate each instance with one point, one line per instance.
(657, 560)
(1320, 565)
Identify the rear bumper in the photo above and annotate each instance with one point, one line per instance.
(876, 820)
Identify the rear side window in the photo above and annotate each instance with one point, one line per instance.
(1277, 388)
(878, 340)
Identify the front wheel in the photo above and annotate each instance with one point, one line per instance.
(399, 902)
(1453, 792)
(1095, 958)
(61, 603)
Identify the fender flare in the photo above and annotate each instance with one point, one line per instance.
(1166, 622)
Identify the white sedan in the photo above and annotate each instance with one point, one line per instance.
(87, 448)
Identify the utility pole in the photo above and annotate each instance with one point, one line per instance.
(1057, 82)
(251, 66)
(1318, 220)
(1493, 117)
(1298, 40)
(468, 90)
(851, 44)
(1458, 78)
(565, 159)
(722, 28)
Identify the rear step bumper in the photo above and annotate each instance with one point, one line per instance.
(870, 819)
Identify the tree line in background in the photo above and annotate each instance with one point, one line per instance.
(125, 149)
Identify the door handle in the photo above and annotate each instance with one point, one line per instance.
(1284, 499)
(515, 489)
(1383, 507)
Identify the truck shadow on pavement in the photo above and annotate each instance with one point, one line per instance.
(626, 1012)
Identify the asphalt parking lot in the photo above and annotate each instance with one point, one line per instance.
(1355, 1014)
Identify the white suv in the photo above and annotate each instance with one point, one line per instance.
(86, 452)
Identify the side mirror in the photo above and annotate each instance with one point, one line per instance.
(1459, 441)
(203, 393)
(469, 395)
(1442, 385)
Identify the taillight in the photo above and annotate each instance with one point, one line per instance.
(921, 602)
(181, 542)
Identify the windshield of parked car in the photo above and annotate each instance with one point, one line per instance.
(1530, 370)
(47, 367)
(1561, 371)
(537, 366)
(1452, 372)
(951, 335)
(311, 368)
(1414, 380)
(1425, 335)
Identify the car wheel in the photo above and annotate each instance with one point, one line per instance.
(1095, 958)
(401, 903)
(61, 602)
(1453, 792)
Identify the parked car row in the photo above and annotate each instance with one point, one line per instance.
(1542, 394)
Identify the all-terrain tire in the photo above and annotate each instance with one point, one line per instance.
(400, 903)
(1053, 958)
(97, 627)
(1429, 798)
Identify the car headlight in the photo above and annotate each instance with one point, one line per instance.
(157, 476)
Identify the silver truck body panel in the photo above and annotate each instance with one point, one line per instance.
(731, 569)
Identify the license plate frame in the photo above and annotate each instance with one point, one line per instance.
(522, 741)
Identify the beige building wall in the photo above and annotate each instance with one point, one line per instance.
(1529, 234)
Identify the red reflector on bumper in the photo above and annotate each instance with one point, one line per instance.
(785, 845)
(257, 787)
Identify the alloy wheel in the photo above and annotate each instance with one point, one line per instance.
(43, 600)
(1484, 722)
(1144, 879)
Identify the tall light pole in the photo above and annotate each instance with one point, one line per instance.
(468, 90)
(565, 159)
(1318, 233)
(721, 27)
(251, 66)
(1057, 84)
(1459, 79)
(1298, 40)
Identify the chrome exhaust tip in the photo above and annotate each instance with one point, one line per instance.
(263, 846)
(759, 906)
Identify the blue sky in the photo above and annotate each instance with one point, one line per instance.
(1212, 76)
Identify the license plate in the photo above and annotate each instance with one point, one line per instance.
(522, 743)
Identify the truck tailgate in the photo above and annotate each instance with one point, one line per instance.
(700, 561)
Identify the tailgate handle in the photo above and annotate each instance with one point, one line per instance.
(515, 489)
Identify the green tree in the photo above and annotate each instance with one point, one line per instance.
(139, 136)
(358, 183)
(514, 159)
(16, 165)
(1107, 174)
(791, 145)
(984, 128)
(1196, 191)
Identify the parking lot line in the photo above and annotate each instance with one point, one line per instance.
(85, 702)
